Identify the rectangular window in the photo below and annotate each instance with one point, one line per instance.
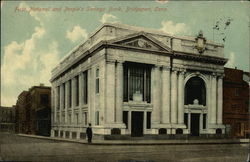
(148, 120)
(77, 90)
(137, 81)
(77, 119)
(64, 101)
(237, 92)
(97, 118)
(186, 119)
(86, 118)
(204, 121)
(125, 118)
(70, 94)
(44, 99)
(85, 87)
(69, 119)
(97, 81)
(58, 97)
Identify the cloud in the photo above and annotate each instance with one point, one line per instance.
(231, 60)
(76, 34)
(171, 28)
(108, 18)
(27, 63)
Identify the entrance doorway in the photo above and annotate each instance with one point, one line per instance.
(195, 124)
(137, 124)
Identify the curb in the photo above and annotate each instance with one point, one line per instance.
(167, 142)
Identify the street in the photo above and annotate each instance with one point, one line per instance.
(16, 148)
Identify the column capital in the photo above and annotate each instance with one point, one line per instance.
(110, 61)
(166, 67)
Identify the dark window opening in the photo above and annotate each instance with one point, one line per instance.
(44, 99)
(162, 131)
(97, 81)
(179, 131)
(64, 102)
(70, 94)
(58, 97)
(137, 80)
(125, 118)
(186, 119)
(148, 120)
(77, 90)
(195, 89)
(204, 121)
(85, 87)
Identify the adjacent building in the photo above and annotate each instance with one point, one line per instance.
(33, 109)
(236, 102)
(132, 81)
(7, 119)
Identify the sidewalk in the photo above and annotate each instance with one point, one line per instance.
(146, 142)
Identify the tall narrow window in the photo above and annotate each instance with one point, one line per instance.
(70, 94)
(204, 121)
(125, 118)
(77, 90)
(97, 81)
(64, 101)
(58, 97)
(137, 82)
(85, 87)
(86, 118)
(97, 118)
(77, 120)
(148, 120)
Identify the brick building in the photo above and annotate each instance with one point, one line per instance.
(7, 119)
(33, 111)
(236, 101)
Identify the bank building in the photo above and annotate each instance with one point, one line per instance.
(131, 81)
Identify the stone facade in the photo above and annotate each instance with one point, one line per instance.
(236, 102)
(139, 82)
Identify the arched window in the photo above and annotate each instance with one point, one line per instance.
(195, 89)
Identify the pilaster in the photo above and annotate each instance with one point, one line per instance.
(110, 92)
(156, 95)
(165, 95)
(181, 97)
(174, 97)
(219, 100)
(119, 92)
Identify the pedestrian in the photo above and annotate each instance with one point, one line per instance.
(89, 133)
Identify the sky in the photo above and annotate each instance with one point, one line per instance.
(35, 36)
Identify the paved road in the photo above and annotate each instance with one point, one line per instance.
(16, 148)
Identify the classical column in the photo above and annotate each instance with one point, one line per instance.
(110, 91)
(213, 100)
(80, 97)
(165, 95)
(181, 98)
(66, 101)
(119, 92)
(73, 101)
(219, 100)
(90, 91)
(156, 95)
(55, 106)
(174, 97)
